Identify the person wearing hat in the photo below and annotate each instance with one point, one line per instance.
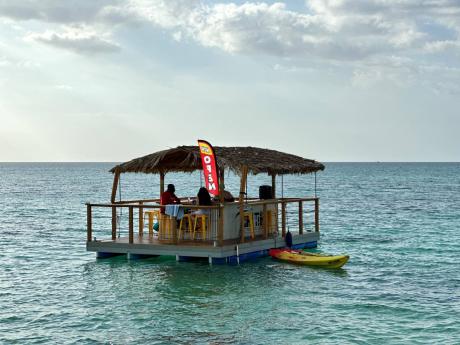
(168, 197)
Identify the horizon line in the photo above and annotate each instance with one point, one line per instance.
(119, 162)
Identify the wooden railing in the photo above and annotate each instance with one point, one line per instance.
(141, 205)
(284, 202)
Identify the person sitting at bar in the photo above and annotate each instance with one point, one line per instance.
(204, 199)
(228, 197)
(168, 197)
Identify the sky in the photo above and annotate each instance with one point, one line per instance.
(332, 80)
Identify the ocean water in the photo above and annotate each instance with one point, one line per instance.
(400, 223)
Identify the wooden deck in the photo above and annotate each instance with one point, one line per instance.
(147, 245)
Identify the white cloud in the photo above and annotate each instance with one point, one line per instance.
(63, 87)
(327, 29)
(354, 33)
(330, 29)
(58, 11)
(442, 46)
(78, 40)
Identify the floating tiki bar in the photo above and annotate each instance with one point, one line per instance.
(227, 232)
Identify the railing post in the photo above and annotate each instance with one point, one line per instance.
(300, 217)
(317, 214)
(220, 234)
(220, 229)
(173, 225)
(244, 176)
(114, 223)
(116, 179)
(283, 219)
(89, 223)
(265, 220)
(162, 183)
(141, 219)
(131, 225)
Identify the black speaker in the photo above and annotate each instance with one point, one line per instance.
(265, 192)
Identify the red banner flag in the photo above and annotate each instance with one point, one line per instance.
(208, 160)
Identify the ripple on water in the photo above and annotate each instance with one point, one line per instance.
(399, 223)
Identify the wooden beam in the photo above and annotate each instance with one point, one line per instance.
(116, 179)
(300, 217)
(244, 175)
(274, 186)
(221, 185)
(220, 231)
(131, 224)
(141, 220)
(274, 197)
(114, 223)
(89, 223)
(317, 214)
(283, 219)
(162, 183)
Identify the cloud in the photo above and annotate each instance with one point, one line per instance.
(57, 11)
(63, 87)
(442, 46)
(77, 40)
(353, 33)
(4, 62)
(326, 29)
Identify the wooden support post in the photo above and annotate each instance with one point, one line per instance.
(220, 231)
(131, 225)
(116, 178)
(265, 221)
(317, 214)
(114, 223)
(162, 183)
(244, 175)
(89, 223)
(300, 217)
(141, 219)
(283, 219)
(276, 205)
(274, 186)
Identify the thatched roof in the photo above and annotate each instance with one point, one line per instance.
(187, 159)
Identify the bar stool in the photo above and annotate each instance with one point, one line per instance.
(166, 224)
(250, 216)
(269, 222)
(189, 227)
(204, 221)
(152, 214)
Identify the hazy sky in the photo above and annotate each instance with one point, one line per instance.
(333, 80)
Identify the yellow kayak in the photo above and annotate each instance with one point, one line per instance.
(311, 259)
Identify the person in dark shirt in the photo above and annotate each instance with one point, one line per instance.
(204, 199)
(169, 197)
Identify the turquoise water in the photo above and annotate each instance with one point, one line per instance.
(399, 222)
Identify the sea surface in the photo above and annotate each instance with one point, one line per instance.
(400, 223)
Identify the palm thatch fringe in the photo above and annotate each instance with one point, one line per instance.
(187, 159)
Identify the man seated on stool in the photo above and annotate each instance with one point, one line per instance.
(169, 197)
(228, 197)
